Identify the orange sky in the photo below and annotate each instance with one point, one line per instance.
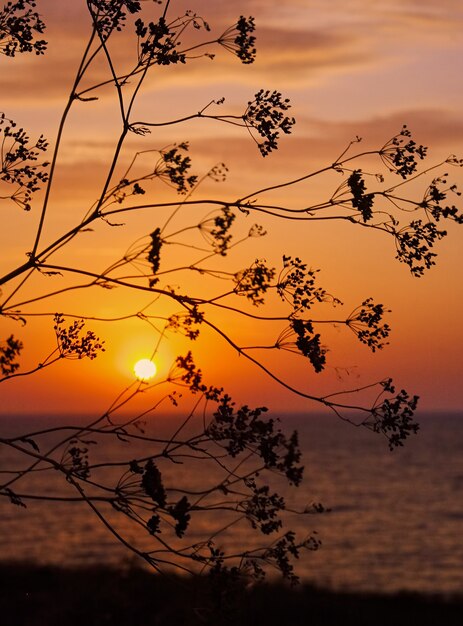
(350, 68)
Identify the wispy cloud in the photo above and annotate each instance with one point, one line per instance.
(298, 42)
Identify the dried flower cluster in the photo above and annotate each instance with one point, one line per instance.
(9, 354)
(19, 24)
(239, 40)
(216, 230)
(266, 115)
(73, 343)
(361, 201)
(366, 322)
(401, 155)
(19, 165)
(254, 281)
(157, 44)
(111, 15)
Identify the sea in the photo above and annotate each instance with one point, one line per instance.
(392, 521)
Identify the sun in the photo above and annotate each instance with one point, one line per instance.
(145, 369)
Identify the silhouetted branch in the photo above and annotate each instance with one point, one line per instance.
(241, 450)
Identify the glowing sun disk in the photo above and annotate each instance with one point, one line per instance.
(145, 369)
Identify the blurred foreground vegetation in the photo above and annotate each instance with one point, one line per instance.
(50, 596)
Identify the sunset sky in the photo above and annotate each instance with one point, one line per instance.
(351, 68)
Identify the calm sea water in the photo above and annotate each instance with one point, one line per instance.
(396, 519)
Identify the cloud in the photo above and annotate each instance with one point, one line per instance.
(436, 128)
(298, 43)
(293, 52)
(288, 54)
(317, 143)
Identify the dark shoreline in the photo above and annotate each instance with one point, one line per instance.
(33, 595)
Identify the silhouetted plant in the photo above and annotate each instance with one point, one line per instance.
(239, 40)
(241, 446)
(19, 24)
(73, 343)
(265, 114)
(19, 167)
(9, 354)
